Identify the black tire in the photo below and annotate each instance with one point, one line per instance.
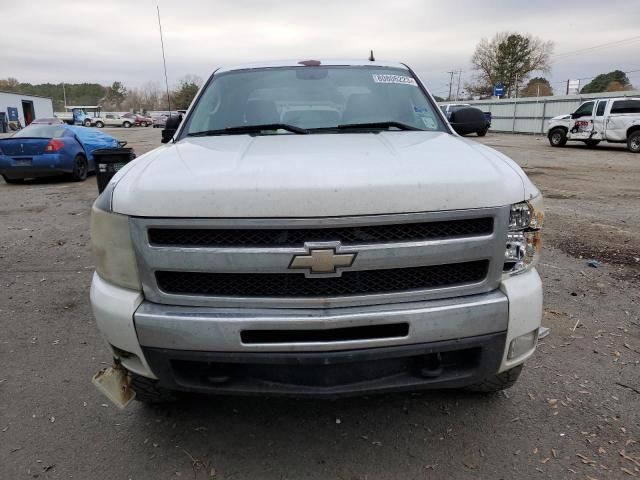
(80, 168)
(148, 391)
(87, 123)
(591, 143)
(482, 133)
(633, 142)
(498, 382)
(126, 124)
(13, 181)
(99, 124)
(557, 137)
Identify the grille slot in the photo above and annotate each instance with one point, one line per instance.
(251, 237)
(297, 285)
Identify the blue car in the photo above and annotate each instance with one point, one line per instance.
(42, 150)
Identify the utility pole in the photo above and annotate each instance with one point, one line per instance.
(64, 95)
(516, 84)
(450, 85)
(458, 88)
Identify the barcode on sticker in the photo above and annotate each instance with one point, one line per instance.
(389, 78)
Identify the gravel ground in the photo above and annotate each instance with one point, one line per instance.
(575, 413)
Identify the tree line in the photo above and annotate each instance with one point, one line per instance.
(149, 96)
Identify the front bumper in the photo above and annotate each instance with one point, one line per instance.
(446, 364)
(320, 352)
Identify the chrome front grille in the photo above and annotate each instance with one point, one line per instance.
(246, 262)
(352, 235)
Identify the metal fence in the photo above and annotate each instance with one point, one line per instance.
(531, 114)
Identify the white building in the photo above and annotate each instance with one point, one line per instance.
(23, 108)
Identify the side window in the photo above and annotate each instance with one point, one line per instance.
(625, 106)
(602, 104)
(584, 110)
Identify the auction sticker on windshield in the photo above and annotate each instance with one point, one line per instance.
(388, 78)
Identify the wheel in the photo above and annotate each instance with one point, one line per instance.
(500, 381)
(126, 124)
(558, 137)
(13, 181)
(148, 391)
(87, 123)
(147, 124)
(633, 142)
(80, 168)
(591, 143)
(99, 124)
(482, 133)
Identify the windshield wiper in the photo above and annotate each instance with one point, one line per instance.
(377, 126)
(249, 129)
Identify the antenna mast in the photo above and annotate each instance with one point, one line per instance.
(164, 61)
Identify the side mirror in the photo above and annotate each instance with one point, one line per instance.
(468, 120)
(575, 115)
(169, 130)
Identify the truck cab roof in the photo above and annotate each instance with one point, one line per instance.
(322, 62)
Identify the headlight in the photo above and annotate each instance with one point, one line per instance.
(113, 249)
(524, 240)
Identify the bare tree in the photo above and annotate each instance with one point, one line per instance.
(508, 58)
(151, 93)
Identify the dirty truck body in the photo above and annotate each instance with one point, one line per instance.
(317, 229)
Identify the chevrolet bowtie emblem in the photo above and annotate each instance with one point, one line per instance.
(322, 260)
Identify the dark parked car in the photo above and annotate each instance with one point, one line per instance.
(451, 108)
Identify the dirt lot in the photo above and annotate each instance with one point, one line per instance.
(575, 412)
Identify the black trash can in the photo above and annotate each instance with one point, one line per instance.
(108, 162)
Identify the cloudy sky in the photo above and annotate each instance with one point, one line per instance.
(106, 40)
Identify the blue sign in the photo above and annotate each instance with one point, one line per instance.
(498, 90)
(13, 114)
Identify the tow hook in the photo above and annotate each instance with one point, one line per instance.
(432, 367)
(113, 382)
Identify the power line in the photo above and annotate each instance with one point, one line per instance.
(590, 78)
(595, 47)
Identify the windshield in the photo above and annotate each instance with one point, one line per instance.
(41, 131)
(312, 98)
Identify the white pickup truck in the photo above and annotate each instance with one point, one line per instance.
(317, 228)
(615, 120)
(113, 120)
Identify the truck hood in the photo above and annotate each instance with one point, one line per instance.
(317, 175)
